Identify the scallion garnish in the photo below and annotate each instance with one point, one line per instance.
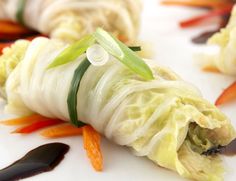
(113, 46)
(20, 11)
(97, 55)
(135, 48)
(72, 96)
(123, 53)
(73, 51)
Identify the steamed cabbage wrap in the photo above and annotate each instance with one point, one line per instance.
(69, 20)
(165, 119)
(224, 59)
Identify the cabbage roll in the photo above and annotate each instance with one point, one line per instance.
(69, 20)
(164, 119)
(224, 59)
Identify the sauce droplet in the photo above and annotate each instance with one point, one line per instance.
(202, 38)
(41, 159)
(230, 149)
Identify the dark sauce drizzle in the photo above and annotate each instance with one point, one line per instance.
(202, 38)
(42, 159)
(229, 150)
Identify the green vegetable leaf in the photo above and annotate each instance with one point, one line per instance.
(20, 11)
(123, 53)
(73, 51)
(72, 96)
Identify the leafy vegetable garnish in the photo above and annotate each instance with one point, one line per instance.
(72, 97)
(73, 51)
(123, 53)
(20, 11)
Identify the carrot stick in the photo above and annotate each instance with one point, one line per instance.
(8, 27)
(123, 38)
(92, 145)
(24, 120)
(195, 3)
(11, 31)
(211, 69)
(228, 95)
(35, 126)
(214, 13)
(63, 130)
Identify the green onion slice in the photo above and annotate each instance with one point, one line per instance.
(74, 87)
(73, 51)
(123, 53)
(135, 48)
(20, 11)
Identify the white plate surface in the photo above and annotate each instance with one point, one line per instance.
(174, 49)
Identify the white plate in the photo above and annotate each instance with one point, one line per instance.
(174, 49)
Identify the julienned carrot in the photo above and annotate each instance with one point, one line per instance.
(214, 13)
(123, 38)
(12, 31)
(194, 3)
(92, 141)
(211, 69)
(197, 3)
(9, 28)
(61, 131)
(228, 95)
(35, 126)
(24, 120)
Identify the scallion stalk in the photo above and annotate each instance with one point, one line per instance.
(124, 54)
(20, 11)
(72, 96)
(73, 51)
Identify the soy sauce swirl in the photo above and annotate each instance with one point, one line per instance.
(41, 159)
(229, 150)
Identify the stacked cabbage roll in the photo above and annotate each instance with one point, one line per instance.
(225, 58)
(165, 119)
(69, 20)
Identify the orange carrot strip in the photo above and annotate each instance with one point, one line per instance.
(199, 19)
(8, 27)
(63, 130)
(24, 120)
(195, 3)
(228, 95)
(92, 141)
(12, 31)
(37, 125)
(211, 69)
(123, 38)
